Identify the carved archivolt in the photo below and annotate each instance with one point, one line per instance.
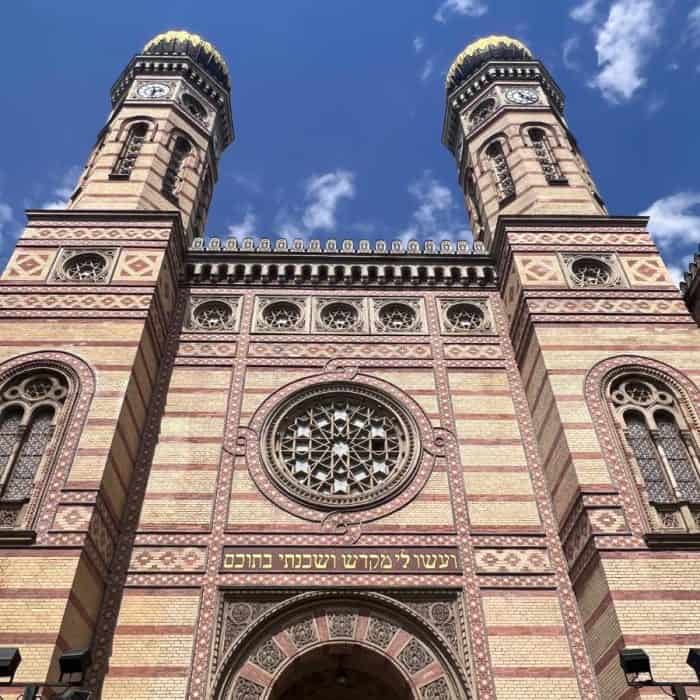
(280, 634)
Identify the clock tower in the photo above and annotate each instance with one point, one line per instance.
(504, 123)
(170, 121)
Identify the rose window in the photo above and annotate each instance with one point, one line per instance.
(589, 272)
(397, 317)
(36, 387)
(339, 316)
(282, 315)
(212, 315)
(465, 317)
(340, 446)
(85, 267)
(641, 393)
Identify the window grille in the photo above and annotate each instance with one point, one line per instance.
(173, 175)
(500, 171)
(545, 155)
(130, 151)
(30, 404)
(655, 430)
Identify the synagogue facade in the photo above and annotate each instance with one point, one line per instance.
(260, 469)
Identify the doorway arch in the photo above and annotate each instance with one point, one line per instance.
(351, 645)
(344, 672)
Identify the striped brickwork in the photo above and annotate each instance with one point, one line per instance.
(109, 338)
(565, 342)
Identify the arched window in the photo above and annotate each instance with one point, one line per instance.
(132, 147)
(30, 404)
(500, 171)
(173, 175)
(545, 155)
(656, 432)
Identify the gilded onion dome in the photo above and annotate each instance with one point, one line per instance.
(489, 48)
(206, 55)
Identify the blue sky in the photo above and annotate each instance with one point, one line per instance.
(338, 106)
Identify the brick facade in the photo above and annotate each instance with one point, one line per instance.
(516, 560)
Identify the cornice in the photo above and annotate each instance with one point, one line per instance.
(496, 71)
(184, 66)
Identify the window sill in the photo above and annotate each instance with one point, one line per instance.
(16, 538)
(673, 540)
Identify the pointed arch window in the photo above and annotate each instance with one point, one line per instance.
(174, 173)
(656, 432)
(545, 156)
(500, 171)
(30, 405)
(126, 161)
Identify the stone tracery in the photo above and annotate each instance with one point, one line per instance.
(340, 445)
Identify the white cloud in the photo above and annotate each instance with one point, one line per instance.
(427, 71)
(569, 47)
(623, 44)
(418, 44)
(675, 220)
(325, 192)
(466, 8)
(694, 26)
(60, 196)
(245, 227)
(437, 215)
(585, 11)
(5, 217)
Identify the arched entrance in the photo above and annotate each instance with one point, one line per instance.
(353, 646)
(341, 672)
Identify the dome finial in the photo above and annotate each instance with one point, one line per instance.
(180, 41)
(494, 47)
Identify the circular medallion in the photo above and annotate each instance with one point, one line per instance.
(340, 445)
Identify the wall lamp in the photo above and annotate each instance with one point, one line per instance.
(70, 663)
(636, 666)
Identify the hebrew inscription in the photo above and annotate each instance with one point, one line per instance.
(361, 560)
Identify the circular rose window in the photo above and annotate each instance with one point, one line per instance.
(85, 267)
(340, 446)
(589, 272)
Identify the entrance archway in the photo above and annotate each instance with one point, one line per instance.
(352, 646)
(341, 672)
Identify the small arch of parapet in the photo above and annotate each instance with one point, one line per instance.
(331, 246)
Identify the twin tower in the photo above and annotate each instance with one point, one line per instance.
(504, 124)
(262, 471)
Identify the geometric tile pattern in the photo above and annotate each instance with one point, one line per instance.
(646, 271)
(29, 264)
(167, 559)
(512, 561)
(141, 266)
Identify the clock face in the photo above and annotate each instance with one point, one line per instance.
(522, 96)
(153, 90)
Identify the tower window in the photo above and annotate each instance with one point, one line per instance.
(173, 175)
(501, 172)
(545, 156)
(130, 151)
(30, 404)
(654, 428)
